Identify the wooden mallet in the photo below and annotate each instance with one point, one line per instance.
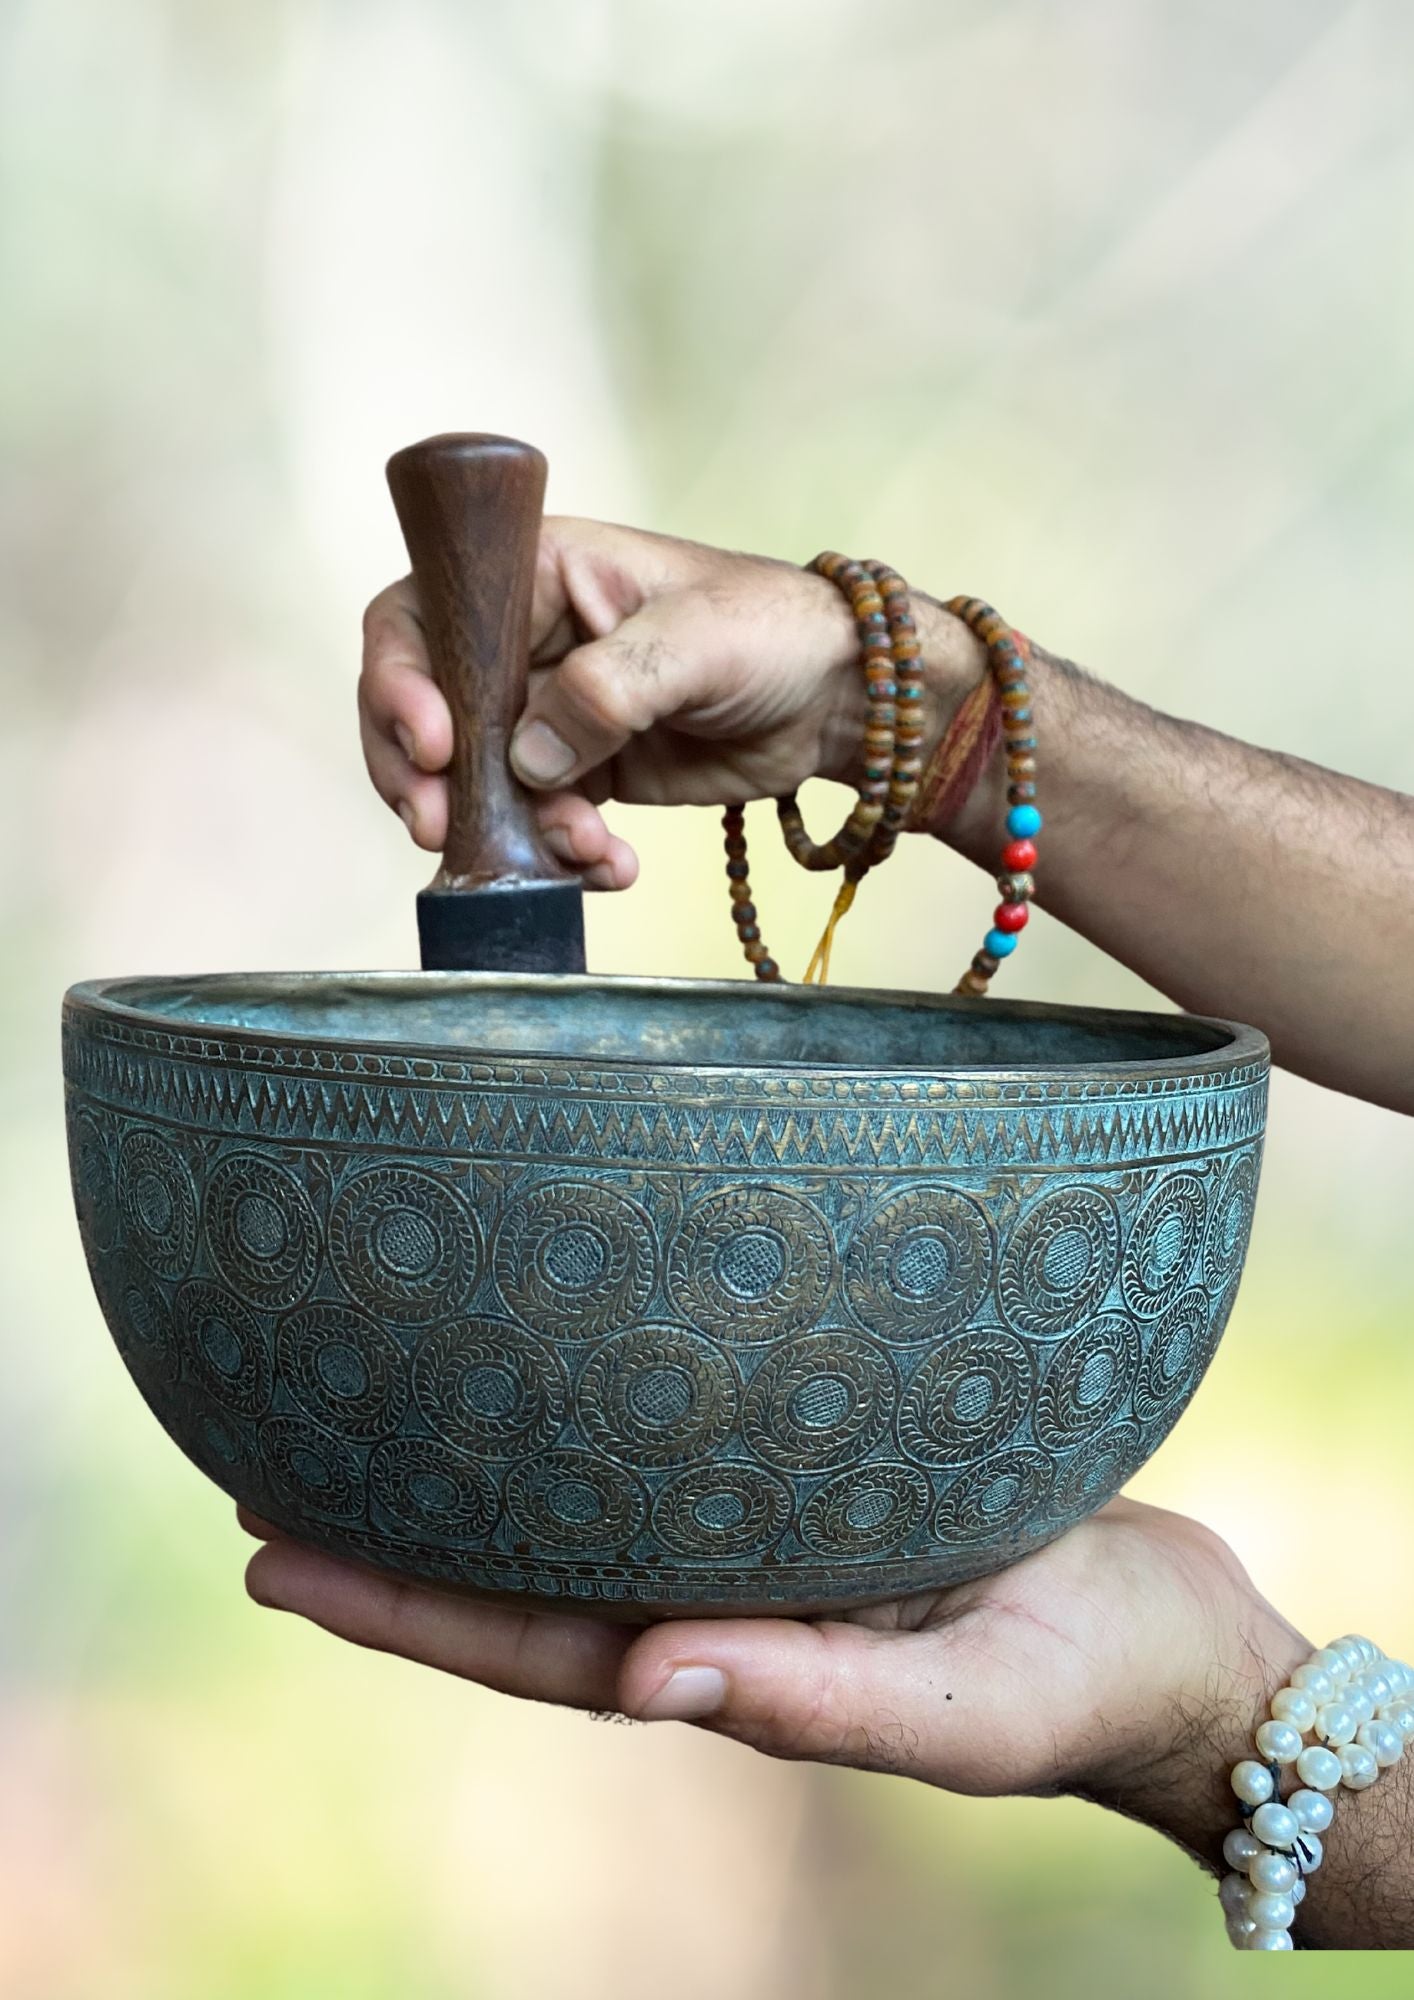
(470, 511)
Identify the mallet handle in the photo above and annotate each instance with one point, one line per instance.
(470, 511)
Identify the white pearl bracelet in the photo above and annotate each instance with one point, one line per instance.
(1360, 1708)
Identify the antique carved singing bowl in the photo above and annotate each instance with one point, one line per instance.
(659, 1297)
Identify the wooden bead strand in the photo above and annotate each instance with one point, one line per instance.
(743, 909)
(1007, 655)
(907, 768)
(891, 662)
(890, 659)
(875, 625)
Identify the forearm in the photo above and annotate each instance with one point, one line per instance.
(1362, 1896)
(1238, 881)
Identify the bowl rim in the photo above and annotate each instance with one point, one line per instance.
(1240, 1046)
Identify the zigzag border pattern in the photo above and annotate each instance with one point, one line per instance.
(314, 1094)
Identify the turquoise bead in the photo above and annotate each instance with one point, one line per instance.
(1023, 823)
(1001, 944)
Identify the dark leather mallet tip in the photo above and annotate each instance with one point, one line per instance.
(510, 927)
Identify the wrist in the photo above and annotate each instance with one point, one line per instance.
(1172, 1769)
(953, 662)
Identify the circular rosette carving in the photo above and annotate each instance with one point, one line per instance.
(157, 1202)
(722, 1511)
(870, 1510)
(95, 1190)
(221, 1445)
(432, 1490)
(819, 1400)
(751, 1263)
(575, 1259)
(1180, 1348)
(1230, 1223)
(998, 1498)
(403, 1244)
(1219, 1312)
(1096, 1472)
(311, 1469)
(489, 1387)
(261, 1230)
(568, 1503)
(136, 1309)
(344, 1370)
(1088, 1380)
(224, 1349)
(921, 1265)
(1060, 1262)
(967, 1398)
(657, 1395)
(1163, 1243)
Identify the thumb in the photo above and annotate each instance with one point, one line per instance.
(581, 712)
(835, 1693)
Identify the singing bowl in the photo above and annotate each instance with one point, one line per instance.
(659, 1297)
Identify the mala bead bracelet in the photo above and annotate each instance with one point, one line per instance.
(894, 788)
(893, 733)
(1359, 1706)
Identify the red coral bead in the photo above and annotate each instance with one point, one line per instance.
(1011, 916)
(1019, 856)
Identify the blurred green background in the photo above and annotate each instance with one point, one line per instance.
(1101, 310)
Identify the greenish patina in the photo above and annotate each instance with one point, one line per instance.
(656, 1297)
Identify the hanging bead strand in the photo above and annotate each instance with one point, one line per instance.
(1007, 654)
(892, 772)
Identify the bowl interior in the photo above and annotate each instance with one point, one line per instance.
(705, 1023)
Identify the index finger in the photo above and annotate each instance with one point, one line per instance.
(396, 688)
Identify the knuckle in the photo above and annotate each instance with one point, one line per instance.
(831, 1732)
(834, 1721)
(604, 694)
(389, 640)
(377, 616)
(810, 1718)
(886, 1743)
(390, 654)
(823, 1729)
(393, 601)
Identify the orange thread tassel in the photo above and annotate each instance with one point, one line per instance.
(818, 970)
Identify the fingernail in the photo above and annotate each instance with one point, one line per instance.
(406, 740)
(687, 1695)
(540, 755)
(558, 841)
(408, 817)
